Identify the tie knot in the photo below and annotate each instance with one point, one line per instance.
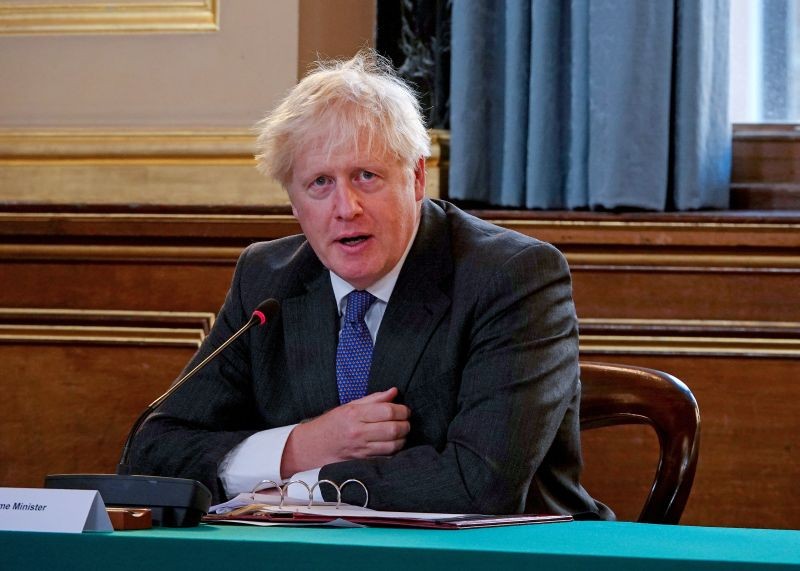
(358, 302)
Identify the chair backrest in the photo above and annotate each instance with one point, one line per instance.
(621, 394)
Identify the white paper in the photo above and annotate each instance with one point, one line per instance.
(346, 511)
(271, 504)
(332, 523)
(65, 511)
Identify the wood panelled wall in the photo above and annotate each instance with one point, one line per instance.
(766, 167)
(100, 310)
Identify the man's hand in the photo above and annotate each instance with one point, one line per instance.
(370, 426)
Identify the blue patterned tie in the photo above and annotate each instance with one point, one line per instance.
(354, 354)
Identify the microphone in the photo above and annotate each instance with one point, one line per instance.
(174, 502)
(265, 311)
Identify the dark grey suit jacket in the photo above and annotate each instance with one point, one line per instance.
(479, 336)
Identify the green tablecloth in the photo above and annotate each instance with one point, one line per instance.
(575, 545)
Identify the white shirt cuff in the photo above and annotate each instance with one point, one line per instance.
(253, 460)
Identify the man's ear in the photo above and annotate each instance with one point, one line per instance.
(289, 196)
(419, 179)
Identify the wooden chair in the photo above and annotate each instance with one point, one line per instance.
(621, 394)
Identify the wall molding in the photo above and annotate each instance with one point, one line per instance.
(40, 146)
(674, 263)
(616, 262)
(605, 229)
(109, 17)
(615, 230)
(638, 246)
(105, 327)
(598, 336)
(697, 337)
(130, 254)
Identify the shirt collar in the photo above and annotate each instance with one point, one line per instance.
(381, 289)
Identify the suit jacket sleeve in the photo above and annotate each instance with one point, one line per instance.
(517, 391)
(190, 434)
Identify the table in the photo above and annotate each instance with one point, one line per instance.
(574, 545)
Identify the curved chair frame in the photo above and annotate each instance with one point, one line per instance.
(622, 394)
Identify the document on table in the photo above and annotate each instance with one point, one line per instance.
(248, 508)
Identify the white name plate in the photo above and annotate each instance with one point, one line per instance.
(65, 511)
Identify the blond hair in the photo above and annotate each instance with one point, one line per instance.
(351, 103)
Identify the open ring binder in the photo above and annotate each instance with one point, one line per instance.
(260, 486)
(335, 487)
(283, 489)
(261, 509)
(360, 483)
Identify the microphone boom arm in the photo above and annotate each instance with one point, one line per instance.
(258, 317)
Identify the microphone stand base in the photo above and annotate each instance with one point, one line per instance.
(174, 502)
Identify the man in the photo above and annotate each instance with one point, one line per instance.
(426, 353)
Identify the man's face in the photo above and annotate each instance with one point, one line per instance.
(357, 208)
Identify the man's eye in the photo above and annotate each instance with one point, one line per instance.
(366, 175)
(320, 186)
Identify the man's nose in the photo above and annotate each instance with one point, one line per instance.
(347, 201)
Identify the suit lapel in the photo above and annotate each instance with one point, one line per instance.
(417, 305)
(310, 328)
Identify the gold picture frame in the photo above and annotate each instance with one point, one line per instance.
(124, 17)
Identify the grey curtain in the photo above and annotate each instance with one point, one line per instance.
(598, 104)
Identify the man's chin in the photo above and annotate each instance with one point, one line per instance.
(358, 278)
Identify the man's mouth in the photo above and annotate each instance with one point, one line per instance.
(352, 240)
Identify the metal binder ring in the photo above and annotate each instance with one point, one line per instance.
(286, 489)
(258, 487)
(335, 487)
(359, 482)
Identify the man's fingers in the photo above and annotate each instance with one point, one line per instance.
(378, 407)
(385, 431)
(384, 412)
(386, 448)
(383, 396)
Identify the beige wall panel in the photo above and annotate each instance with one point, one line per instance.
(158, 118)
(225, 78)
